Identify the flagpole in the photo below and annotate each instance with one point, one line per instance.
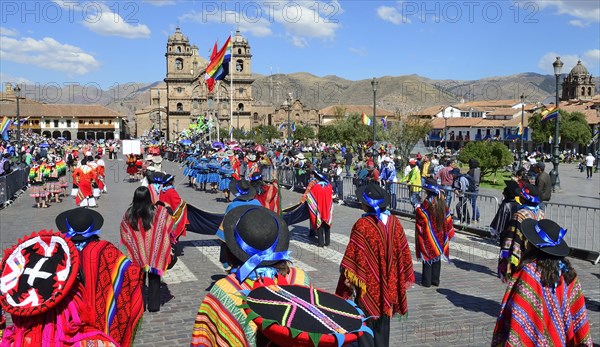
(231, 89)
(217, 108)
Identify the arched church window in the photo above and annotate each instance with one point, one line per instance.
(178, 49)
(240, 107)
(179, 64)
(239, 65)
(239, 51)
(179, 107)
(589, 91)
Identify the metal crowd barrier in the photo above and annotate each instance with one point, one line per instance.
(12, 183)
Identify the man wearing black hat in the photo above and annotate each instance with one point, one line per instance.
(377, 267)
(544, 304)
(257, 242)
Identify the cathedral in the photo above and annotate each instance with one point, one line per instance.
(578, 84)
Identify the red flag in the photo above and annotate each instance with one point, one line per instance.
(211, 81)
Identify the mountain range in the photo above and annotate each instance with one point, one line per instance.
(405, 94)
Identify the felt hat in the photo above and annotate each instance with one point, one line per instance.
(229, 152)
(300, 156)
(322, 318)
(79, 223)
(242, 190)
(432, 186)
(256, 176)
(256, 236)
(157, 159)
(512, 187)
(149, 157)
(221, 155)
(27, 272)
(373, 195)
(528, 195)
(167, 178)
(251, 157)
(547, 236)
(320, 176)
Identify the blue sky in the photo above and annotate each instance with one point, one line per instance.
(108, 42)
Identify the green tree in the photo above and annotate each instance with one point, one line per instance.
(490, 155)
(328, 134)
(265, 132)
(406, 134)
(303, 133)
(573, 127)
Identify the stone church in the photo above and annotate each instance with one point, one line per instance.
(578, 84)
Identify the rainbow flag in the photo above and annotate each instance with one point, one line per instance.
(211, 81)
(4, 126)
(365, 119)
(549, 113)
(218, 67)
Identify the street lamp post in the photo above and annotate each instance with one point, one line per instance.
(522, 129)
(289, 111)
(17, 91)
(374, 84)
(445, 129)
(555, 154)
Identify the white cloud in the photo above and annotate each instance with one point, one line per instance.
(317, 20)
(299, 42)
(47, 53)
(593, 55)
(569, 61)
(107, 23)
(358, 51)
(8, 78)
(391, 14)
(586, 12)
(255, 26)
(160, 2)
(4, 31)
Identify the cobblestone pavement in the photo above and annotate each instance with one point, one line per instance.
(461, 312)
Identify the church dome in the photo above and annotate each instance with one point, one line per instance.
(178, 36)
(579, 69)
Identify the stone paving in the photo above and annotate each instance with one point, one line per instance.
(461, 312)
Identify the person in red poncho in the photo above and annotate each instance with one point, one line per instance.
(319, 197)
(268, 194)
(175, 205)
(377, 267)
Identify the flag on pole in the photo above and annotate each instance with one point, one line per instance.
(595, 137)
(211, 81)
(231, 130)
(384, 122)
(520, 129)
(549, 114)
(293, 127)
(365, 119)
(4, 126)
(281, 126)
(218, 67)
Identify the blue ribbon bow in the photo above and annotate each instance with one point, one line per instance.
(548, 242)
(256, 178)
(373, 203)
(240, 191)
(87, 233)
(531, 198)
(434, 188)
(257, 256)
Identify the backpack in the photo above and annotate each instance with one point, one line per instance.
(471, 186)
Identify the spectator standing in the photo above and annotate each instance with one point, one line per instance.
(444, 176)
(461, 184)
(543, 182)
(475, 173)
(414, 182)
(348, 161)
(589, 165)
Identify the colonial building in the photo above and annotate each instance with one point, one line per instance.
(69, 121)
(578, 84)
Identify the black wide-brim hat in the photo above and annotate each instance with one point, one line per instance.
(322, 319)
(236, 187)
(512, 187)
(375, 192)
(533, 229)
(79, 220)
(431, 185)
(528, 195)
(258, 227)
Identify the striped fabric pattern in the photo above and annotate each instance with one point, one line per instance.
(432, 245)
(150, 249)
(220, 321)
(533, 315)
(379, 264)
(117, 277)
(269, 197)
(512, 240)
(320, 205)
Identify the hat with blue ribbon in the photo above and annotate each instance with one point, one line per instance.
(431, 186)
(256, 236)
(547, 236)
(320, 176)
(80, 223)
(242, 190)
(374, 196)
(528, 195)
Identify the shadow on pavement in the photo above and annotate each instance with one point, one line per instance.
(471, 303)
(463, 265)
(592, 305)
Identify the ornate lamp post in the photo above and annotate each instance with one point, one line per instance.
(522, 128)
(17, 91)
(287, 105)
(445, 129)
(555, 153)
(374, 84)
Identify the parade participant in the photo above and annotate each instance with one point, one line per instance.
(189, 163)
(155, 182)
(157, 162)
(512, 242)
(319, 197)
(37, 189)
(146, 231)
(267, 192)
(139, 166)
(131, 166)
(433, 232)
(100, 174)
(213, 173)
(95, 185)
(83, 176)
(253, 165)
(507, 208)
(118, 309)
(544, 304)
(176, 206)
(226, 173)
(257, 247)
(61, 168)
(52, 185)
(377, 266)
(201, 169)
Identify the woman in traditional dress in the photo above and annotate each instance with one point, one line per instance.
(146, 231)
(201, 169)
(37, 189)
(131, 167)
(213, 173)
(433, 231)
(52, 184)
(226, 174)
(543, 304)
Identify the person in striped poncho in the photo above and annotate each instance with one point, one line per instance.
(544, 303)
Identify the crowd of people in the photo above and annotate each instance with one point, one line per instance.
(93, 294)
